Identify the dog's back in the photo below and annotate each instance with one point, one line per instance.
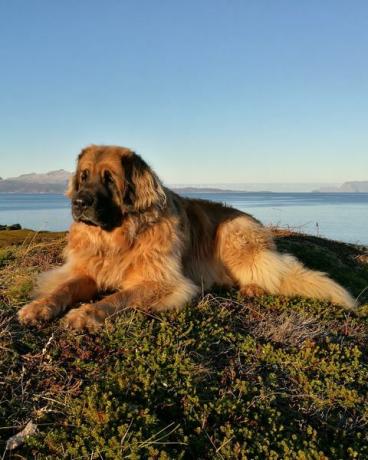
(228, 247)
(202, 221)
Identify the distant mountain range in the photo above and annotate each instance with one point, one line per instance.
(51, 182)
(56, 182)
(346, 187)
(185, 190)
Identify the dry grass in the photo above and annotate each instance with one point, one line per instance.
(228, 377)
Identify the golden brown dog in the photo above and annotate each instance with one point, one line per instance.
(156, 250)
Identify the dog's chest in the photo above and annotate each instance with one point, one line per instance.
(118, 260)
(104, 257)
(109, 270)
(108, 264)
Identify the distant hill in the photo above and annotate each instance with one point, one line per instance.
(56, 182)
(51, 182)
(203, 190)
(346, 187)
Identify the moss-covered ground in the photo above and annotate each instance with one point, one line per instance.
(226, 378)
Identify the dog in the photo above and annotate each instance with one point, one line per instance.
(142, 245)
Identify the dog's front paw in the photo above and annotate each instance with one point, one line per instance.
(38, 311)
(83, 318)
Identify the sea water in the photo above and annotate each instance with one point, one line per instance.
(333, 215)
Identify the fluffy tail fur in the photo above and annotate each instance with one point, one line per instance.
(284, 274)
(302, 281)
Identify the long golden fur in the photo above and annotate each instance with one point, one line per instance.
(153, 249)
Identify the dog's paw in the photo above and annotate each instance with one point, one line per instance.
(252, 290)
(84, 318)
(36, 312)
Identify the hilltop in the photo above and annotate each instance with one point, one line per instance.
(228, 377)
(50, 182)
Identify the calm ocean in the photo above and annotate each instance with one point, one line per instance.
(338, 216)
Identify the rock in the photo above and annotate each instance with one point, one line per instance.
(20, 438)
(15, 227)
(11, 227)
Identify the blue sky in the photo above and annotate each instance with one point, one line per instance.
(207, 91)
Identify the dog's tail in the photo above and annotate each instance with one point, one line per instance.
(283, 274)
(299, 280)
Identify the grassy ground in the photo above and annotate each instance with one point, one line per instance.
(268, 378)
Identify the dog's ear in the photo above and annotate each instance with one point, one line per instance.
(142, 187)
(73, 182)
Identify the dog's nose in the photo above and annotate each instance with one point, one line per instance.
(83, 200)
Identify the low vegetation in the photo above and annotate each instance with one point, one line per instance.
(228, 377)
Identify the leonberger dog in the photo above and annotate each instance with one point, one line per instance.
(135, 243)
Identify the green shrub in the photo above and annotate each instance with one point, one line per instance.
(6, 256)
(228, 377)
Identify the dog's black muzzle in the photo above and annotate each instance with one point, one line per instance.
(82, 202)
(96, 208)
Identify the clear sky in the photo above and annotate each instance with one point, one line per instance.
(207, 91)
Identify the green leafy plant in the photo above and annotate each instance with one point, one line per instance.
(227, 377)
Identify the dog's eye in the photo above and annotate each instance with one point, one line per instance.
(107, 177)
(84, 175)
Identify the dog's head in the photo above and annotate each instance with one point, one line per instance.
(110, 183)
